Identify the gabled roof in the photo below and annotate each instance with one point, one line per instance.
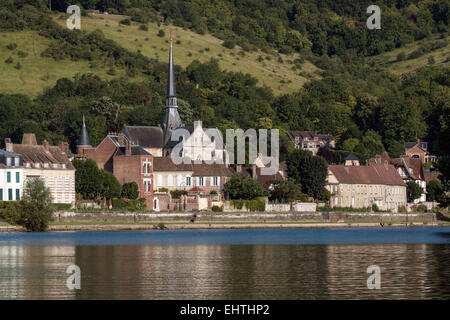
(351, 156)
(144, 136)
(308, 134)
(421, 144)
(38, 154)
(375, 174)
(166, 164)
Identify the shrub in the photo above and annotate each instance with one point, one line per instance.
(22, 54)
(176, 194)
(11, 46)
(143, 27)
(11, 213)
(18, 66)
(375, 208)
(163, 190)
(9, 60)
(161, 33)
(213, 192)
(61, 206)
(125, 22)
(130, 190)
(217, 208)
(230, 44)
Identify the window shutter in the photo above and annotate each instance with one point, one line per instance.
(211, 181)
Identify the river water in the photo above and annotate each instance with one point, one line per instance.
(228, 264)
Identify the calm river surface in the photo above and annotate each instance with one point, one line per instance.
(228, 264)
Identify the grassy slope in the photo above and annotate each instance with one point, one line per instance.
(389, 61)
(269, 72)
(37, 72)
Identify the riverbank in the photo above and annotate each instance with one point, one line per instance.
(113, 221)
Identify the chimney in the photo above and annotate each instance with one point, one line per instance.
(8, 145)
(45, 145)
(121, 139)
(128, 148)
(238, 168)
(254, 171)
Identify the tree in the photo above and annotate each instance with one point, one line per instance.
(36, 210)
(285, 191)
(413, 191)
(243, 187)
(110, 186)
(308, 171)
(130, 190)
(434, 190)
(87, 178)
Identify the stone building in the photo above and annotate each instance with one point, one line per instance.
(51, 163)
(311, 140)
(363, 186)
(11, 176)
(409, 169)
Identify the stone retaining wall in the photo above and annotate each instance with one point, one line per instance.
(70, 216)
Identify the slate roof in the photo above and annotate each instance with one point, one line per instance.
(135, 151)
(145, 136)
(166, 164)
(351, 156)
(421, 144)
(375, 174)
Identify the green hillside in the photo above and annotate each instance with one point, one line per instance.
(423, 49)
(36, 72)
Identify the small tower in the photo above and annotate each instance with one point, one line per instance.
(171, 119)
(83, 141)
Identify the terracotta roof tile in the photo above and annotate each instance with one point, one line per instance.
(374, 174)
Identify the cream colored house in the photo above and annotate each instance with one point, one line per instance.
(50, 163)
(363, 186)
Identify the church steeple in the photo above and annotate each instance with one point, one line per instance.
(171, 119)
(83, 141)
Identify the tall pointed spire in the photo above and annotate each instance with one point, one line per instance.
(171, 89)
(83, 141)
(171, 119)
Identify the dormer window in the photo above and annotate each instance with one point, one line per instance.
(296, 138)
(63, 165)
(306, 138)
(316, 139)
(55, 166)
(16, 161)
(37, 165)
(8, 161)
(27, 165)
(46, 165)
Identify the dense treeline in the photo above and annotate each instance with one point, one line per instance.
(325, 26)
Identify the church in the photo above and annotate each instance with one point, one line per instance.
(132, 155)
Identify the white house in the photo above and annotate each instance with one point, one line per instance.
(11, 176)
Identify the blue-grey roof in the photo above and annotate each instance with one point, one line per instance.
(84, 137)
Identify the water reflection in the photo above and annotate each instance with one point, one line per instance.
(408, 271)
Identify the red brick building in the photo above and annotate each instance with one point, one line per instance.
(419, 150)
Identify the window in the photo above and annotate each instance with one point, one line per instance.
(1, 194)
(8, 176)
(17, 177)
(16, 161)
(159, 181)
(10, 194)
(147, 167)
(8, 161)
(188, 180)
(147, 183)
(179, 180)
(201, 181)
(17, 194)
(169, 180)
(55, 166)
(215, 181)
